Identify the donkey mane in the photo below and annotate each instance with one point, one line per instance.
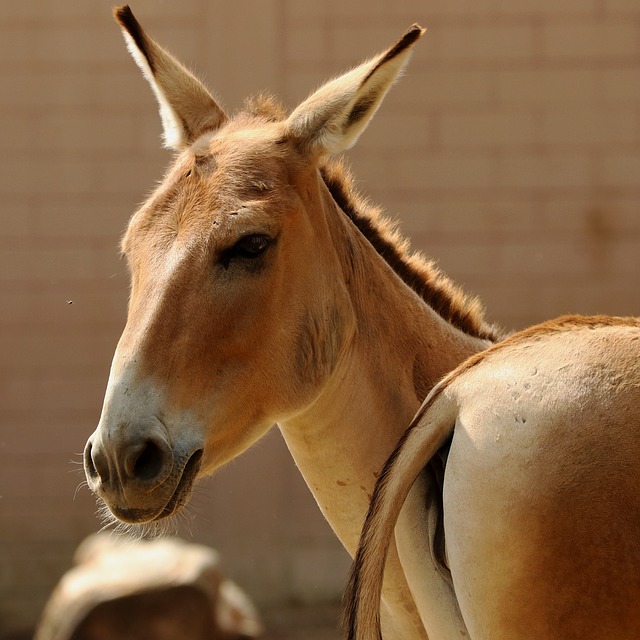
(420, 274)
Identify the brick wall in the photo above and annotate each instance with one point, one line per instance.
(510, 153)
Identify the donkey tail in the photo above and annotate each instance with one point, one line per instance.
(428, 431)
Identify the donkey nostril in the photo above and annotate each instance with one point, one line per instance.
(89, 467)
(147, 463)
(95, 466)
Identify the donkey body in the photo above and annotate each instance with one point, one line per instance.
(540, 494)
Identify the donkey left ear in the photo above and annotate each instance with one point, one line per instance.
(331, 119)
(187, 109)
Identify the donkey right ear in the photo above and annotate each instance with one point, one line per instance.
(187, 109)
(331, 119)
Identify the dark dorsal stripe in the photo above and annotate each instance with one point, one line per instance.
(440, 293)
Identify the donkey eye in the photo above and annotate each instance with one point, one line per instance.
(248, 248)
(252, 246)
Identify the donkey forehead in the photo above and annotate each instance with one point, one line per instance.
(241, 150)
(246, 157)
(236, 171)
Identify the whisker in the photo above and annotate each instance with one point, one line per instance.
(183, 521)
(80, 471)
(78, 464)
(106, 527)
(187, 519)
(81, 485)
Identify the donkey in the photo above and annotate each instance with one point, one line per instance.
(541, 489)
(265, 290)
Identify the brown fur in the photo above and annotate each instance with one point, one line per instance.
(578, 492)
(557, 325)
(563, 323)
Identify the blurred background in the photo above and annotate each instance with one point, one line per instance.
(510, 153)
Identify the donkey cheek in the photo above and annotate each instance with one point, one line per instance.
(318, 346)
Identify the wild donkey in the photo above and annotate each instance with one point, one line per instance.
(265, 290)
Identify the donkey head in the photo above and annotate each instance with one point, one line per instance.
(239, 313)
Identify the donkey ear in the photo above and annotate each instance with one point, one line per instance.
(187, 109)
(331, 119)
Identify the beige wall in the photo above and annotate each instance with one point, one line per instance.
(510, 153)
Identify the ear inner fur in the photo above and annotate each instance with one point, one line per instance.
(187, 109)
(330, 120)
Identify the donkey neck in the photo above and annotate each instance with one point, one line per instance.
(398, 351)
